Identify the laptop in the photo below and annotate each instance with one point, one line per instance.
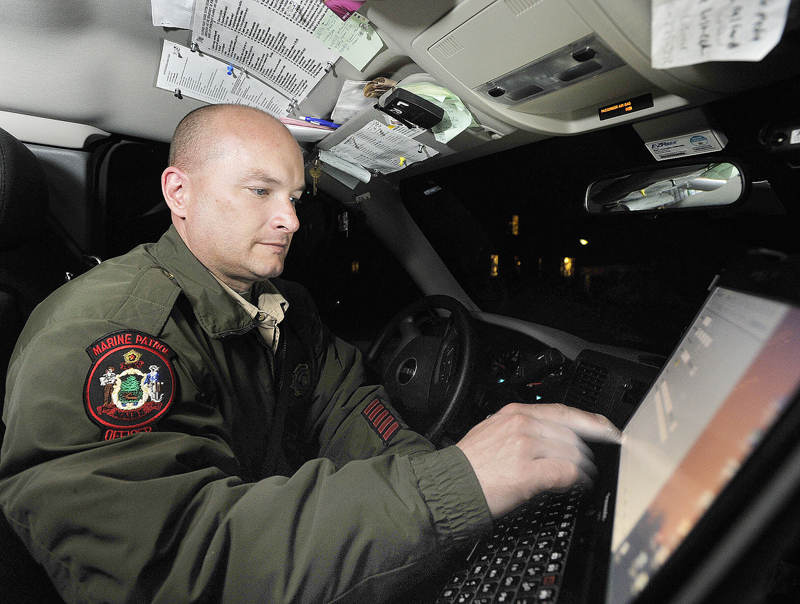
(696, 505)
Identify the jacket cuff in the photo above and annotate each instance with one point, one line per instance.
(453, 495)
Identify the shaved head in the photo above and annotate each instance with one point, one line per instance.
(235, 174)
(200, 135)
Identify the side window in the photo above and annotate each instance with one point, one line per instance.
(131, 208)
(354, 280)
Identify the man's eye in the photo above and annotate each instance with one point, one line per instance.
(295, 200)
(260, 192)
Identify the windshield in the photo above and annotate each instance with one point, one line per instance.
(513, 231)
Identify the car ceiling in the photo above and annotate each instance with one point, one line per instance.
(93, 64)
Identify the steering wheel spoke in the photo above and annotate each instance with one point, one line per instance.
(409, 330)
(427, 370)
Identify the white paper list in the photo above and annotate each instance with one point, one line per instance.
(205, 78)
(271, 39)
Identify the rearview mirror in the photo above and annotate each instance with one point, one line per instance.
(668, 188)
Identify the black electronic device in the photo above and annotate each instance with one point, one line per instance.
(780, 138)
(410, 108)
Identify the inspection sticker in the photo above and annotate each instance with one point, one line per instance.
(696, 143)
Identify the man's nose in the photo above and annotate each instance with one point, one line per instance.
(285, 218)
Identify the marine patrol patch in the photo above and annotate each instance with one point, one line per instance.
(131, 383)
(381, 420)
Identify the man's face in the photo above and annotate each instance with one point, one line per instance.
(240, 207)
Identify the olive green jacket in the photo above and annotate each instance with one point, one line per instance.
(228, 484)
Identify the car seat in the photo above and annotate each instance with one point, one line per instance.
(34, 261)
(36, 256)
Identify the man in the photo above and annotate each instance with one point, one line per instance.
(261, 473)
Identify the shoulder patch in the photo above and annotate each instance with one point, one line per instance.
(381, 420)
(131, 383)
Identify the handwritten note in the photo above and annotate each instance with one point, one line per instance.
(687, 32)
(355, 39)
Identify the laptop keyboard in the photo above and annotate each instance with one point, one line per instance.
(521, 561)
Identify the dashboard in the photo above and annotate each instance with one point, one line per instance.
(514, 367)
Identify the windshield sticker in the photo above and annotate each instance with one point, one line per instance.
(696, 143)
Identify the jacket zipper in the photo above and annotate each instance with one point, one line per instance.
(238, 332)
(280, 362)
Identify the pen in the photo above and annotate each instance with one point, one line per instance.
(319, 122)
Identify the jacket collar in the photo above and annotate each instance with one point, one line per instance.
(217, 312)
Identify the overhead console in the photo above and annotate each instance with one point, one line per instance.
(571, 64)
(553, 66)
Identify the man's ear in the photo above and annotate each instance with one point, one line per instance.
(174, 186)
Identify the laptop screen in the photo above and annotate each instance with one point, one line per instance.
(723, 388)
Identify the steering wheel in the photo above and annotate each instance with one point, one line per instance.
(427, 372)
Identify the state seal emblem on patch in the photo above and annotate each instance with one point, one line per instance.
(131, 383)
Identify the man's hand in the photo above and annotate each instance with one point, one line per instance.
(523, 450)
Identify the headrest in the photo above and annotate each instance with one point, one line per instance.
(23, 193)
